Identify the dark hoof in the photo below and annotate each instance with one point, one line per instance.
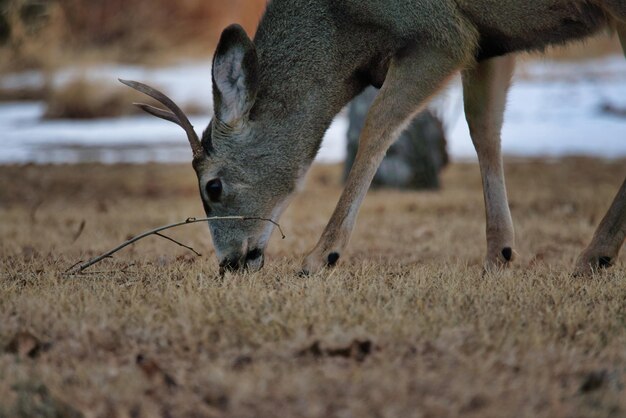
(592, 265)
(605, 262)
(507, 253)
(332, 259)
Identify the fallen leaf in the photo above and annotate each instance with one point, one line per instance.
(78, 233)
(25, 344)
(314, 350)
(154, 372)
(475, 403)
(357, 350)
(241, 362)
(594, 381)
(217, 400)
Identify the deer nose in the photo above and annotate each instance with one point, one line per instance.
(253, 261)
(230, 264)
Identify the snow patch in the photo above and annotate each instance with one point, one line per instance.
(554, 109)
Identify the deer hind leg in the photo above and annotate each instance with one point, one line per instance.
(412, 79)
(609, 237)
(607, 240)
(485, 89)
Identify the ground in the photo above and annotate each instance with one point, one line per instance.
(406, 326)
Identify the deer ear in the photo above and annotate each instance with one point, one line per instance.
(235, 76)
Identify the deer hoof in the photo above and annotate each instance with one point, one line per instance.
(332, 259)
(312, 265)
(499, 260)
(315, 263)
(507, 253)
(587, 265)
(501, 257)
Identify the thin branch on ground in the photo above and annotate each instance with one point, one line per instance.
(78, 233)
(178, 243)
(70, 268)
(122, 270)
(80, 267)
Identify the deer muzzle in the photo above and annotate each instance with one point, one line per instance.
(252, 261)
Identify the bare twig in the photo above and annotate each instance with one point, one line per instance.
(70, 268)
(78, 233)
(93, 273)
(80, 267)
(178, 243)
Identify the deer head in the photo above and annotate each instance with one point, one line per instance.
(237, 175)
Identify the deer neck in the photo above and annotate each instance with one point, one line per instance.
(303, 84)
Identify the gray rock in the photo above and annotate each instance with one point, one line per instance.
(417, 157)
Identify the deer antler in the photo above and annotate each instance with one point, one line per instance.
(174, 115)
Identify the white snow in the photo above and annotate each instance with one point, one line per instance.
(554, 109)
(186, 82)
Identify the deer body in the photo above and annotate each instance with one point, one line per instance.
(275, 97)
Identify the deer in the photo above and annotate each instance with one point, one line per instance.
(276, 95)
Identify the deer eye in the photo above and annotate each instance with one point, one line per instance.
(214, 190)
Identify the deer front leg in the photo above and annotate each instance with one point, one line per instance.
(608, 239)
(413, 77)
(485, 89)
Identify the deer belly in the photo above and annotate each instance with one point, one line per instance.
(536, 29)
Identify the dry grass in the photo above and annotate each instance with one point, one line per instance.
(91, 99)
(531, 342)
(84, 98)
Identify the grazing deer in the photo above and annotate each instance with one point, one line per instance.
(274, 98)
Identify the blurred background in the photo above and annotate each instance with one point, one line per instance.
(60, 101)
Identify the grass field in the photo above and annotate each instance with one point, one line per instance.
(407, 326)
